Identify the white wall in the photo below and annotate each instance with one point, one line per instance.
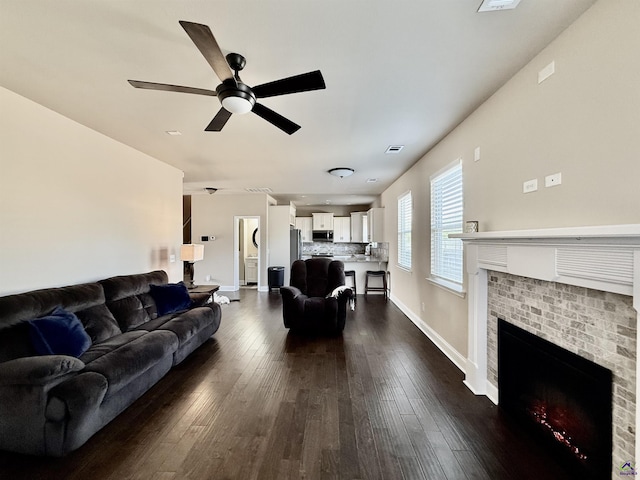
(584, 121)
(214, 215)
(77, 206)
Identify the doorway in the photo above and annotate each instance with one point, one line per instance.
(247, 252)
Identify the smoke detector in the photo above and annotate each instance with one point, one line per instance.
(493, 5)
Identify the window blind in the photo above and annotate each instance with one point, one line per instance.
(404, 230)
(446, 218)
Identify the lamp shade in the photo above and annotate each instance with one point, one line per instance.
(191, 252)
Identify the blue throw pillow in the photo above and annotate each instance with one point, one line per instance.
(171, 297)
(59, 333)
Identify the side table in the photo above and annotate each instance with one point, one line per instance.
(210, 289)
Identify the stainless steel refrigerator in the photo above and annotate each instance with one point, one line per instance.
(295, 245)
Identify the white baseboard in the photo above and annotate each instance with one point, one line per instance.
(452, 354)
(492, 393)
(228, 288)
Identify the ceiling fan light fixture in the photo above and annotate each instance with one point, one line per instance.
(237, 105)
(341, 171)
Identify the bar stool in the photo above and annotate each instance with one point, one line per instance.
(376, 274)
(352, 274)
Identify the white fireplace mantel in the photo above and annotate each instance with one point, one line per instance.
(605, 258)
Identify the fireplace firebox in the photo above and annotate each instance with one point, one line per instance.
(561, 398)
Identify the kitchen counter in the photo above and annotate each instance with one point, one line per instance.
(360, 264)
(349, 258)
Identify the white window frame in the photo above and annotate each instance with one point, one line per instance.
(405, 225)
(447, 257)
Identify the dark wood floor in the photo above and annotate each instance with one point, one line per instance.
(380, 402)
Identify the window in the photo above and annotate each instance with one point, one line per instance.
(446, 218)
(404, 230)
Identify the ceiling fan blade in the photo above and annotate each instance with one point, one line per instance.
(299, 83)
(171, 88)
(219, 121)
(205, 41)
(276, 119)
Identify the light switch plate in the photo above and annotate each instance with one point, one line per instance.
(546, 72)
(530, 186)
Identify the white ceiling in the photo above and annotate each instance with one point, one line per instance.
(401, 72)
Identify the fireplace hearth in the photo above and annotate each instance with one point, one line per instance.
(562, 398)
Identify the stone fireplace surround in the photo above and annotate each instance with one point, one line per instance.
(546, 281)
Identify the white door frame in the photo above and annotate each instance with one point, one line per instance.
(236, 249)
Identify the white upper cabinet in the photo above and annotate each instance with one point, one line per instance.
(305, 225)
(341, 229)
(322, 221)
(375, 224)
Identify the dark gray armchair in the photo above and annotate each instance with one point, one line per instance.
(316, 299)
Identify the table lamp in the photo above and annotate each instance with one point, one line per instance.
(191, 252)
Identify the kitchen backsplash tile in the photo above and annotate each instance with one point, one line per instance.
(379, 250)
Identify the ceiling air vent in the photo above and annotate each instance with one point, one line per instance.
(259, 190)
(493, 5)
(394, 148)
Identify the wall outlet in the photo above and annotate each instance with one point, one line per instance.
(207, 278)
(553, 180)
(530, 186)
(422, 306)
(476, 154)
(172, 258)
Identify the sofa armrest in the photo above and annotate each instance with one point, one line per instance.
(77, 396)
(40, 370)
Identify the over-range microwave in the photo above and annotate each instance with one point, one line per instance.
(322, 235)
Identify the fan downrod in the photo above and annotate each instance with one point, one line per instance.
(236, 61)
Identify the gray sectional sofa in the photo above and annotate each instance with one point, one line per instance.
(51, 404)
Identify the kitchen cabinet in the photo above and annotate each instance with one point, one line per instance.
(375, 224)
(322, 221)
(305, 225)
(342, 229)
(251, 270)
(358, 227)
(292, 214)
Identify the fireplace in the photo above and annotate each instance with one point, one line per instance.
(562, 398)
(578, 287)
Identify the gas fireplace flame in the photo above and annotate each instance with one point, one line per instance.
(540, 412)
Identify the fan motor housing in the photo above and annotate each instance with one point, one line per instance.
(238, 91)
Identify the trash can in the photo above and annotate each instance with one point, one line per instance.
(275, 277)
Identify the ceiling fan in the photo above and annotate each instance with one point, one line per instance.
(236, 96)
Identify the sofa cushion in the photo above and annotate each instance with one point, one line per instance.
(129, 312)
(99, 349)
(15, 343)
(170, 297)
(189, 323)
(99, 323)
(129, 300)
(123, 286)
(59, 333)
(124, 364)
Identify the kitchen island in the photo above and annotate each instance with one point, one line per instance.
(360, 264)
